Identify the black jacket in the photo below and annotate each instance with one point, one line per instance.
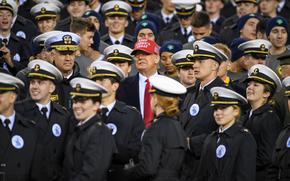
(265, 126)
(127, 126)
(162, 153)
(89, 152)
(228, 156)
(20, 53)
(21, 29)
(280, 169)
(173, 33)
(197, 120)
(17, 152)
(52, 143)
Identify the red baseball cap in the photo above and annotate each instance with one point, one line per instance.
(147, 46)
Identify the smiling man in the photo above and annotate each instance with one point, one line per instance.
(134, 90)
(64, 48)
(51, 118)
(116, 14)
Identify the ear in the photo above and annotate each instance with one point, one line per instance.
(229, 65)
(266, 95)
(51, 88)
(115, 86)
(106, 22)
(129, 68)
(126, 23)
(215, 65)
(157, 59)
(96, 106)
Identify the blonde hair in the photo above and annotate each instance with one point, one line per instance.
(168, 104)
(224, 48)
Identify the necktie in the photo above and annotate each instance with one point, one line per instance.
(7, 122)
(185, 32)
(5, 41)
(104, 111)
(148, 114)
(44, 111)
(167, 20)
(117, 42)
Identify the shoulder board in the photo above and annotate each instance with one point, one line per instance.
(129, 37)
(32, 122)
(132, 108)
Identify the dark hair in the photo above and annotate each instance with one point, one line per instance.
(79, 25)
(261, 26)
(200, 19)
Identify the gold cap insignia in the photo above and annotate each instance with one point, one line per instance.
(116, 52)
(196, 47)
(188, 57)
(263, 47)
(36, 67)
(256, 71)
(78, 87)
(215, 96)
(183, 10)
(67, 39)
(116, 7)
(93, 70)
(43, 10)
(3, 2)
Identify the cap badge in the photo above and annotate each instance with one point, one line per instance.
(116, 52)
(43, 10)
(144, 24)
(116, 7)
(183, 10)
(263, 47)
(78, 87)
(188, 57)
(170, 47)
(196, 47)
(36, 67)
(279, 21)
(93, 70)
(3, 2)
(256, 71)
(67, 39)
(215, 96)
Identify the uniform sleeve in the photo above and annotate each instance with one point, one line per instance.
(134, 142)
(269, 132)
(148, 157)
(246, 159)
(97, 157)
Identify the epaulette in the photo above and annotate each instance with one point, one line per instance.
(245, 130)
(132, 108)
(32, 122)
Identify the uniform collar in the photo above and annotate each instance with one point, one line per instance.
(109, 107)
(11, 118)
(48, 106)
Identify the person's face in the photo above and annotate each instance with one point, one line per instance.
(116, 24)
(7, 100)
(204, 68)
(268, 6)
(168, 6)
(146, 33)
(249, 61)
(278, 37)
(45, 55)
(185, 22)
(84, 109)
(213, 6)
(94, 21)
(125, 66)
(244, 8)
(6, 18)
(223, 68)
(225, 116)
(249, 29)
(201, 32)
(146, 62)
(64, 61)
(46, 25)
(165, 59)
(111, 87)
(255, 92)
(40, 90)
(285, 71)
(86, 40)
(77, 8)
(186, 76)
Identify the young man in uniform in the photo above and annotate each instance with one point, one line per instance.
(124, 121)
(51, 119)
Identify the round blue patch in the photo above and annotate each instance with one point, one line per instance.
(221, 151)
